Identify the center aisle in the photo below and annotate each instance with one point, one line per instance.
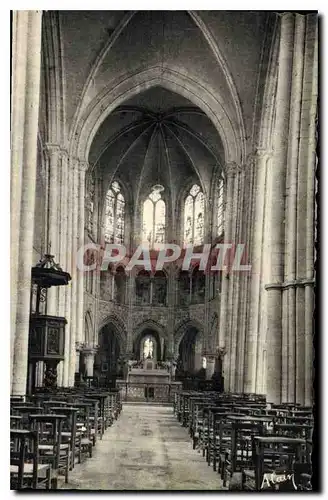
(145, 449)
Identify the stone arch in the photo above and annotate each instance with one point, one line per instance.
(151, 325)
(182, 329)
(119, 327)
(159, 335)
(171, 79)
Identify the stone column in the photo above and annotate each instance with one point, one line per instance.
(74, 172)
(210, 366)
(53, 156)
(310, 233)
(230, 173)
(19, 74)
(229, 278)
(77, 359)
(80, 240)
(28, 25)
(89, 357)
(305, 214)
(236, 283)
(131, 301)
(66, 259)
(289, 296)
(252, 339)
(277, 236)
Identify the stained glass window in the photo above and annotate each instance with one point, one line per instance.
(194, 216)
(114, 214)
(153, 227)
(148, 348)
(220, 209)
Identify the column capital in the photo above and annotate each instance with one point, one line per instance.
(263, 153)
(232, 168)
(89, 351)
(51, 149)
(64, 153)
(209, 355)
(80, 165)
(83, 165)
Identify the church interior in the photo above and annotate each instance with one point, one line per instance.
(134, 131)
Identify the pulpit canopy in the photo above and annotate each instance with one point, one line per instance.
(47, 273)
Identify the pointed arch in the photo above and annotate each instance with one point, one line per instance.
(150, 324)
(172, 79)
(119, 327)
(182, 328)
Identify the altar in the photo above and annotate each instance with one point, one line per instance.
(149, 380)
(150, 372)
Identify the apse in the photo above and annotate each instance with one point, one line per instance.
(156, 137)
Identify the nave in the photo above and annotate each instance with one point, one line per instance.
(85, 439)
(146, 449)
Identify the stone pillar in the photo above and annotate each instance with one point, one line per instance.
(277, 236)
(305, 215)
(131, 299)
(65, 259)
(19, 74)
(77, 360)
(236, 283)
(53, 156)
(289, 295)
(80, 241)
(228, 276)
(74, 172)
(230, 173)
(210, 366)
(198, 363)
(89, 357)
(252, 338)
(28, 26)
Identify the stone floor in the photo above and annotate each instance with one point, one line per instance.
(145, 449)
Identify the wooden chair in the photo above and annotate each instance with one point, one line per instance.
(274, 464)
(16, 421)
(95, 422)
(25, 470)
(51, 448)
(83, 427)
(69, 434)
(216, 416)
(240, 456)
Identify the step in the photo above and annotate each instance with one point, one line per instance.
(147, 403)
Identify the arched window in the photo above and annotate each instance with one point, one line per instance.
(148, 348)
(114, 214)
(194, 216)
(220, 207)
(153, 227)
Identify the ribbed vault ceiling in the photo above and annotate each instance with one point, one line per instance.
(157, 137)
